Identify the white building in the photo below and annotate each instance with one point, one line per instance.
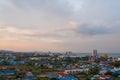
(75, 71)
(118, 58)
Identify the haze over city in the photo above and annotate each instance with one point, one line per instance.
(60, 25)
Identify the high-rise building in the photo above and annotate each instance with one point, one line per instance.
(95, 54)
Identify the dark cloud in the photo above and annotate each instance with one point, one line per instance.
(89, 29)
(95, 29)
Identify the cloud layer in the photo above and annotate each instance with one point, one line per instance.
(65, 24)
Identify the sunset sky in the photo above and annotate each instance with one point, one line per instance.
(60, 25)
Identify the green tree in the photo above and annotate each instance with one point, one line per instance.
(93, 71)
(117, 64)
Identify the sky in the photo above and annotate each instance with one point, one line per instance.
(60, 25)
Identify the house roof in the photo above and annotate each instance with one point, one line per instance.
(29, 75)
(68, 78)
(63, 74)
(9, 72)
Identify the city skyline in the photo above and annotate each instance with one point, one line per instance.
(60, 25)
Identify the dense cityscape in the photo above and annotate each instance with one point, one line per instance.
(59, 39)
(58, 66)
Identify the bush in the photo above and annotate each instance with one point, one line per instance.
(93, 71)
